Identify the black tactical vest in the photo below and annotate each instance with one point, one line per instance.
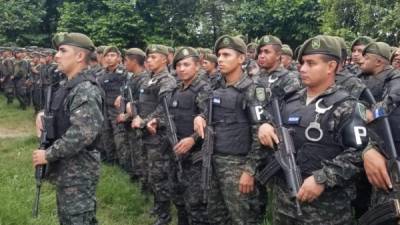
(183, 108)
(59, 108)
(232, 127)
(112, 84)
(297, 117)
(148, 98)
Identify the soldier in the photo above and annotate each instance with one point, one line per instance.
(395, 58)
(134, 63)
(357, 47)
(100, 55)
(210, 65)
(8, 80)
(384, 82)
(73, 160)
(154, 143)
(287, 58)
(328, 147)
(234, 196)
(272, 75)
(112, 80)
(21, 74)
(250, 65)
(188, 100)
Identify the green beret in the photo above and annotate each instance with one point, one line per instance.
(378, 48)
(286, 50)
(227, 41)
(109, 49)
(183, 53)
(343, 47)
(207, 51)
(100, 49)
(363, 40)
(252, 46)
(74, 39)
(18, 49)
(395, 52)
(321, 44)
(211, 57)
(241, 36)
(162, 49)
(135, 51)
(171, 50)
(268, 40)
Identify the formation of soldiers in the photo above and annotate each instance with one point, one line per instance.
(164, 108)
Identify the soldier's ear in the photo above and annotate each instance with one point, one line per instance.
(242, 58)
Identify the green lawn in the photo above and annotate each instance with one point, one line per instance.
(119, 200)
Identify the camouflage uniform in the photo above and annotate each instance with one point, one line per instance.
(226, 205)
(137, 156)
(117, 147)
(280, 81)
(21, 72)
(74, 163)
(156, 146)
(8, 82)
(251, 67)
(199, 90)
(333, 165)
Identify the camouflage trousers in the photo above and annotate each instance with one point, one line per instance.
(122, 147)
(193, 194)
(136, 154)
(333, 207)
(76, 205)
(226, 205)
(107, 144)
(158, 161)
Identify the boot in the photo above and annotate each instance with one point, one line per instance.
(163, 219)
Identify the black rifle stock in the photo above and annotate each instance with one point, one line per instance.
(47, 134)
(387, 212)
(207, 152)
(172, 137)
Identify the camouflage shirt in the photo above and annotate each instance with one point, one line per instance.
(350, 83)
(71, 160)
(280, 81)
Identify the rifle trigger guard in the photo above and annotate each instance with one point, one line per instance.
(314, 126)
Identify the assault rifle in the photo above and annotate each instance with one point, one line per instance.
(45, 137)
(388, 212)
(283, 158)
(207, 151)
(172, 137)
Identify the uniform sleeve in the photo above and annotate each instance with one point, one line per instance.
(86, 119)
(341, 169)
(391, 98)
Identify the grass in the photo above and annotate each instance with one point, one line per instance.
(119, 200)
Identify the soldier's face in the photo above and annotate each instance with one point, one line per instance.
(315, 71)
(369, 63)
(229, 60)
(356, 53)
(129, 64)
(66, 59)
(208, 66)
(156, 61)
(396, 60)
(286, 61)
(186, 69)
(268, 57)
(112, 59)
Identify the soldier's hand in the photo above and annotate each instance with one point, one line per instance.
(267, 135)
(310, 190)
(184, 145)
(370, 116)
(39, 157)
(39, 125)
(117, 102)
(246, 183)
(152, 126)
(137, 122)
(121, 118)
(376, 170)
(199, 125)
